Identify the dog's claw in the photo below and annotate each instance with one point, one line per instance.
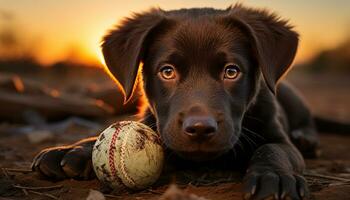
(274, 185)
(302, 187)
(250, 185)
(76, 163)
(269, 186)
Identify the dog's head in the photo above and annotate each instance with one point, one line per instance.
(201, 70)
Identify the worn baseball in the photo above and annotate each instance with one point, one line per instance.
(128, 153)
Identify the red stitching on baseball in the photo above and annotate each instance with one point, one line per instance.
(112, 147)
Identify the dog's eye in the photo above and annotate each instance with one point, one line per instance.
(232, 71)
(167, 72)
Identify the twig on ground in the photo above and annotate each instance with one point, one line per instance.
(216, 182)
(39, 188)
(326, 177)
(25, 171)
(112, 196)
(339, 183)
(25, 192)
(44, 194)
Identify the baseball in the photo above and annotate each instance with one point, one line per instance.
(128, 153)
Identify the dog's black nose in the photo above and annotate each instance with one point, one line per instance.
(199, 126)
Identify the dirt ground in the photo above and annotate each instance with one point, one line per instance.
(328, 176)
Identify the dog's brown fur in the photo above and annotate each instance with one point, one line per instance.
(201, 114)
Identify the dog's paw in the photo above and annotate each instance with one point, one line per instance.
(268, 184)
(65, 162)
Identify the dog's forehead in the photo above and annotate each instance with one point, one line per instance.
(201, 40)
(202, 36)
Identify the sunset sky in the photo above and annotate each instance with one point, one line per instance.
(57, 30)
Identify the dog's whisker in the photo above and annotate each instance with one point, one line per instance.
(251, 143)
(145, 117)
(253, 133)
(254, 118)
(249, 139)
(153, 125)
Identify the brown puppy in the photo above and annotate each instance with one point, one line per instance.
(210, 77)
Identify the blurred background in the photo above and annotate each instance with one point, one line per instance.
(54, 31)
(51, 67)
(54, 91)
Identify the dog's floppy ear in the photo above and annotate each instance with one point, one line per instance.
(274, 41)
(123, 48)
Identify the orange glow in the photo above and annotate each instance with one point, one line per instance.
(138, 82)
(55, 93)
(101, 59)
(18, 84)
(56, 31)
(106, 69)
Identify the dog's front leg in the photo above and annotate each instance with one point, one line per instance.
(275, 172)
